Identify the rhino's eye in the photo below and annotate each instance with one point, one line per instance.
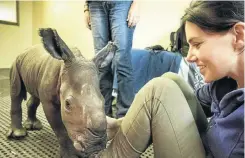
(68, 105)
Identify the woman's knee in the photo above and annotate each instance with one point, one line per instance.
(183, 85)
(174, 77)
(158, 87)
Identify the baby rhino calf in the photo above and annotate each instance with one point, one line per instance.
(67, 85)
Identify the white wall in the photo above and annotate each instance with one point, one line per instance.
(158, 19)
(14, 39)
(67, 18)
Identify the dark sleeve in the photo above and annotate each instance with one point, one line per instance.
(203, 95)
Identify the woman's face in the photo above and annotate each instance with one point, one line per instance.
(212, 52)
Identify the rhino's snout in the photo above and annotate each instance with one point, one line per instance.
(90, 142)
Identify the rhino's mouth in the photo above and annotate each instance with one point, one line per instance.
(90, 142)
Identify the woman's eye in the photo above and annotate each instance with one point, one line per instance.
(197, 45)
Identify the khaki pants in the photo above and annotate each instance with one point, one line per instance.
(161, 113)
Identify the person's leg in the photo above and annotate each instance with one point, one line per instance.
(101, 36)
(122, 35)
(196, 108)
(99, 24)
(160, 115)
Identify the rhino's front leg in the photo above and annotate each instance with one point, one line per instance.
(53, 115)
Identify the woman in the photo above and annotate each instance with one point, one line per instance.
(166, 112)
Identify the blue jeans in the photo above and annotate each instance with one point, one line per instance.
(109, 23)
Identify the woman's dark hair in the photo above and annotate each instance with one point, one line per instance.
(214, 16)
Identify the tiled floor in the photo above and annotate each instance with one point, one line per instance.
(38, 144)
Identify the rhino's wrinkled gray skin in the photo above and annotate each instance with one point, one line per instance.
(68, 89)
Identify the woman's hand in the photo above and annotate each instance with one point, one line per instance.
(87, 19)
(113, 126)
(133, 14)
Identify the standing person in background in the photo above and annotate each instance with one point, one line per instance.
(114, 21)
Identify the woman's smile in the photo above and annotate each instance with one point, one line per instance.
(201, 68)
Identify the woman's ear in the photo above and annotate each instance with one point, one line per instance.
(238, 30)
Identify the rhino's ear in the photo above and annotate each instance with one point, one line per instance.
(55, 46)
(104, 57)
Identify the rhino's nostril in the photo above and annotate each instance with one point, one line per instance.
(80, 138)
(78, 146)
